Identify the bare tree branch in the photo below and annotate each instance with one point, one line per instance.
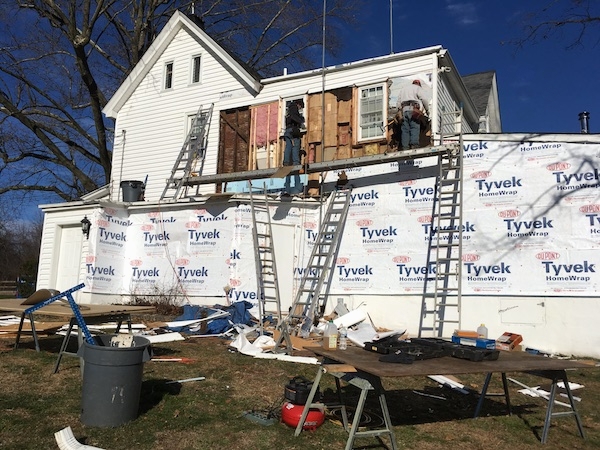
(56, 78)
(574, 22)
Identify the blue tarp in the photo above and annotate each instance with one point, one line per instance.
(238, 313)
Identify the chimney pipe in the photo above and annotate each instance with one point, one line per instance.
(584, 120)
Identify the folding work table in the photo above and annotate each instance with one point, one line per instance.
(363, 369)
(92, 314)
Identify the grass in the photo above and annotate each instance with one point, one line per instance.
(35, 403)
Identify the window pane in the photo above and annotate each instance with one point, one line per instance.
(168, 75)
(196, 70)
(371, 112)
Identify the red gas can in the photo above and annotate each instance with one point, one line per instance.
(290, 415)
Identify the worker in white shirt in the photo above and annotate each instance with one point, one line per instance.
(413, 100)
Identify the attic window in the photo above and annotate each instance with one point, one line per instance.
(371, 112)
(196, 69)
(169, 75)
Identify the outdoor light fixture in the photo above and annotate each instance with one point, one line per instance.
(86, 225)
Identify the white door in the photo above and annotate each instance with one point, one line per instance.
(284, 243)
(68, 265)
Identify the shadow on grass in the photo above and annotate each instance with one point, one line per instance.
(153, 392)
(429, 405)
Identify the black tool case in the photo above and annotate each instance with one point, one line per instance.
(297, 390)
(407, 351)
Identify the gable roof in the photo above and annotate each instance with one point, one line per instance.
(177, 22)
(479, 86)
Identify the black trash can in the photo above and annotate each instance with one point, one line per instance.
(133, 190)
(112, 381)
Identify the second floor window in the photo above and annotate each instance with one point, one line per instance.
(196, 69)
(168, 75)
(371, 112)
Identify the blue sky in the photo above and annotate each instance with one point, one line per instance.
(542, 87)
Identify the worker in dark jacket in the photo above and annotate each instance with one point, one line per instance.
(294, 121)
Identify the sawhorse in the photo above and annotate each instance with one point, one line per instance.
(365, 382)
(555, 376)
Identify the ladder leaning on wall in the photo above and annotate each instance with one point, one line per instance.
(191, 156)
(442, 292)
(311, 297)
(269, 303)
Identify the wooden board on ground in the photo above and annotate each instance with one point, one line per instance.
(40, 327)
(299, 343)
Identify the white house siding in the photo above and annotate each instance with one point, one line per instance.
(446, 105)
(55, 221)
(152, 125)
(155, 120)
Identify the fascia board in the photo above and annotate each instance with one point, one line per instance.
(355, 64)
(142, 67)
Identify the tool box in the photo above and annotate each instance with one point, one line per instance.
(297, 390)
(406, 352)
(488, 344)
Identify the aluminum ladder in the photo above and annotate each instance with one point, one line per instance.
(311, 297)
(442, 291)
(269, 303)
(191, 156)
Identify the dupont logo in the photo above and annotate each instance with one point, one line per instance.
(136, 262)
(153, 214)
(364, 222)
(90, 259)
(192, 225)
(470, 257)
(481, 174)
(342, 260)
(110, 211)
(401, 259)
(558, 166)
(199, 211)
(234, 282)
(310, 225)
(424, 219)
(103, 223)
(147, 227)
(589, 209)
(509, 213)
(182, 262)
(547, 256)
(407, 182)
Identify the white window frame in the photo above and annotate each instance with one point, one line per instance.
(284, 104)
(376, 128)
(169, 71)
(193, 70)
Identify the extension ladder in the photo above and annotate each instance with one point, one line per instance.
(442, 291)
(191, 156)
(264, 259)
(311, 296)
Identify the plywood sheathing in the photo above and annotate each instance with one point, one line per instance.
(337, 138)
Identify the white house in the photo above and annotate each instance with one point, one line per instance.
(530, 201)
